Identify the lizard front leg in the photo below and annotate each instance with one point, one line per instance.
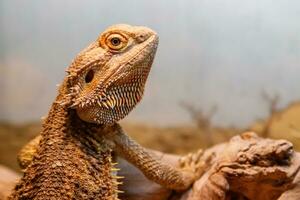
(27, 152)
(154, 169)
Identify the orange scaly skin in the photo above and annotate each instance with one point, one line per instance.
(73, 158)
(68, 164)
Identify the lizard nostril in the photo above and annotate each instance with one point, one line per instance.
(89, 76)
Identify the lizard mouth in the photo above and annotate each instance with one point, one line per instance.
(124, 87)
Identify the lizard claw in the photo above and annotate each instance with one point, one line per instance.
(193, 163)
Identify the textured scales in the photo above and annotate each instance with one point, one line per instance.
(103, 84)
(69, 163)
(73, 158)
(117, 73)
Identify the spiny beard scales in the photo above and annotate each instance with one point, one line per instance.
(120, 98)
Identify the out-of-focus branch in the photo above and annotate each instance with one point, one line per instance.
(201, 119)
(272, 108)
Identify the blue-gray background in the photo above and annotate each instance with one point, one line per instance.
(211, 52)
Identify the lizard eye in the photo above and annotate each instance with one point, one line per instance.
(116, 41)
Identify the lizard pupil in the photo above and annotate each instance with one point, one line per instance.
(89, 76)
(115, 41)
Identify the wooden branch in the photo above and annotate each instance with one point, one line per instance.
(251, 168)
(247, 167)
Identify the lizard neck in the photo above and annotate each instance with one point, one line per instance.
(59, 116)
(69, 161)
(63, 125)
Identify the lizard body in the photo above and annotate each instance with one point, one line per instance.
(73, 159)
(68, 164)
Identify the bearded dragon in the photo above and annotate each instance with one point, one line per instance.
(73, 157)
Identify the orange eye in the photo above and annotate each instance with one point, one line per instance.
(116, 41)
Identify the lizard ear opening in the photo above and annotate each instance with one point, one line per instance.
(89, 76)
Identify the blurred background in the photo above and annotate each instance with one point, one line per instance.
(222, 67)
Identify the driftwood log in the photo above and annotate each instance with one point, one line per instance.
(8, 179)
(246, 168)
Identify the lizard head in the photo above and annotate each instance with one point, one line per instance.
(107, 79)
